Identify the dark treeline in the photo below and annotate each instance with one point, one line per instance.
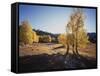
(40, 32)
(92, 35)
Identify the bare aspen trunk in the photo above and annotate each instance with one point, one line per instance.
(73, 49)
(73, 44)
(77, 43)
(67, 51)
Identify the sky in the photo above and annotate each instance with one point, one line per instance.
(54, 19)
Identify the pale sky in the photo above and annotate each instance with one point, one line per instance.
(54, 19)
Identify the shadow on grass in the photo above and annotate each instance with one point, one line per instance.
(46, 62)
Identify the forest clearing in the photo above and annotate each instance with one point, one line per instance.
(53, 48)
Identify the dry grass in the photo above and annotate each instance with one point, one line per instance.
(48, 48)
(90, 50)
(37, 48)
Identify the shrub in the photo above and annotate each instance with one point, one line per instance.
(54, 39)
(62, 39)
(45, 38)
(35, 37)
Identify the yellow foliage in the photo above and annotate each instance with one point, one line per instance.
(35, 37)
(45, 38)
(62, 39)
(75, 28)
(26, 33)
(65, 39)
(82, 39)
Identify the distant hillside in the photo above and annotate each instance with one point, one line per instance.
(40, 32)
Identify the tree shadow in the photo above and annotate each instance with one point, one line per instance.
(77, 60)
(46, 62)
